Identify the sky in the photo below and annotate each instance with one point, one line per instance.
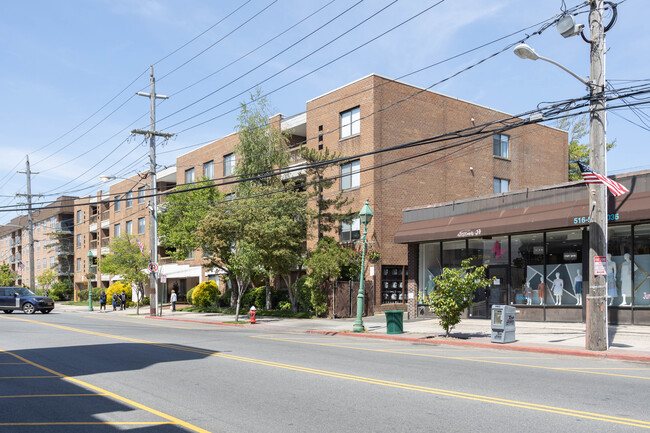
(69, 72)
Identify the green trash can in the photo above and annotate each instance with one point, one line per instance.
(394, 322)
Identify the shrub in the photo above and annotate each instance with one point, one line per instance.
(189, 295)
(223, 300)
(62, 290)
(117, 287)
(205, 294)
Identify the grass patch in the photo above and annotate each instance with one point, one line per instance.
(236, 322)
(269, 313)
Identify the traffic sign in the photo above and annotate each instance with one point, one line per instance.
(163, 279)
(153, 267)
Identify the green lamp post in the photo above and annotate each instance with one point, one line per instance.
(90, 291)
(365, 216)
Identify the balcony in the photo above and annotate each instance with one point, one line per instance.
(15, 258)
(15, 242)
(65, 227)
(64, 251)
(93, 244)
(106, 242)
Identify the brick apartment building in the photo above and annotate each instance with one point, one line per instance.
(375, 113)
(53, 232)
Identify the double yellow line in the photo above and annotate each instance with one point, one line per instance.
(343, 376)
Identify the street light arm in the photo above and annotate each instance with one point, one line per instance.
(576, 76)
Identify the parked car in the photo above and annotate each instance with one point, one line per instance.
(21, 298)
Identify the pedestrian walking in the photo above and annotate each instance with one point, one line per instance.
(102, 301)
(173, 298)
(123, 299)
(114, 301)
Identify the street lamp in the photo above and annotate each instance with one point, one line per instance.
(365, 216)
(90, 289)
(596, 303)
(153, 223)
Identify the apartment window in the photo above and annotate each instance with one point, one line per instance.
(141, 226)
(351, 175)
(129, 227)
(51, 262)
(141, 194)
(501, 185)
(78, 241)
(208, 170)
(229, 164)
(129, 199)
(190, 255)
(53, 222)
(37, 246)
(350, 122)
(38, 264)
(118, 204)
(501, 145)
(79, 217)
(78, 265)
(350, 230)
(117, 231)
(189, 175)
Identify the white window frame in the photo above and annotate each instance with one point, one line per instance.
(189, 175)
(229, 162)
(501, 145)
(141, 194)
(129, 199)
(117, 230)
(141, 226)
(351, 122)
(348, 229)
(129, 227)
(208, 169)
(351, 175)
(501, 185)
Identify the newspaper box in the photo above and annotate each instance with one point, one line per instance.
(503, 324)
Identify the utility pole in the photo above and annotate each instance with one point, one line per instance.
(597, 335)
(153, 221)
(30, 221)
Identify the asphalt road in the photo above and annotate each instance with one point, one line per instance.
(95, 372)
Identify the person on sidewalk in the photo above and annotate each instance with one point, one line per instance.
(114, 301)
(123, 299)
(102, 301)
(173, 298)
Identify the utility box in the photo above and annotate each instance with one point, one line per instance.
(394, 322)
(503, 324)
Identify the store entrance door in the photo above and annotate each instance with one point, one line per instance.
(496, 294)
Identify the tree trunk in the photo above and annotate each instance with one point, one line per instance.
(293, 295)
(237, 308)
(268, 293)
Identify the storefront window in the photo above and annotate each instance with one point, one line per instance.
(492, 252)
(642, 265)
(564, 267)
(430, 267)
(527, 269)
(453, 254)
(619, 265)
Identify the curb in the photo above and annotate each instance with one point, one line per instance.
(235, 325)
(568, 352)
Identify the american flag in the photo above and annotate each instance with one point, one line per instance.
(141, 246)
(591, 176)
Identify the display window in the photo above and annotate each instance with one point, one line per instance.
(641, 267)
(564, 268)
(619, 266)
(453, 253)
(527, 269)
(431, 266)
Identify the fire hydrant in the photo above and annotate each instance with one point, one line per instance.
(251, 313)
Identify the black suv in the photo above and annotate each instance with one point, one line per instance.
(21, 298)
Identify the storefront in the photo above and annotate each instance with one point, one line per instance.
(535, 244)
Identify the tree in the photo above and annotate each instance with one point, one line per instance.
(7, 276)
(46, 279)
(178, 224)
(245, 266)
(454, 292)
(126, 260)
(577, 128)
(324, 265)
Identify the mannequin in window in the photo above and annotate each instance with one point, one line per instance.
(558, 287)
(626, 278)
(528, 293)
(611, 279)
(577, 287)
(541, 292)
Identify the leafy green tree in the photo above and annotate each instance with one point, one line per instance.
(7, 276)
(245, 266)
(330, 210)
(126, 260)
(46, 279)
(62, 290)
(324, 265)
(454, 292)
(184, 211)
(578, 128)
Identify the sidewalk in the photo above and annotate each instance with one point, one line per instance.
(627, 342)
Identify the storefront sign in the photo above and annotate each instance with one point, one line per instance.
(468, 233)
(570, 256)
(585, 220)
(600, 265)
(538, 250)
